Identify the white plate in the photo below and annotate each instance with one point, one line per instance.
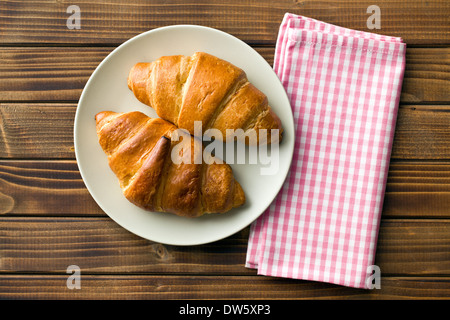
(107, 90)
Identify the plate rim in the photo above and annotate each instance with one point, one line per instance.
(238, 227)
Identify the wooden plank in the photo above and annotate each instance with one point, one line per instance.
(113, 22)
(60, 73)
(44, 188)
(414, 247)
(414, 189)
(99, 245)
(143, 287)
(422, 132)
(47, 74)
(417, 189)
(426, 76)
(46, 131)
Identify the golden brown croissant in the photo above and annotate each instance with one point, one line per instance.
(204, 88)
(139, 150)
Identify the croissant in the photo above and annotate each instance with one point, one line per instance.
(139, 150)
(204, 88)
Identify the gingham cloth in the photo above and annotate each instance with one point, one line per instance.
(344, 88)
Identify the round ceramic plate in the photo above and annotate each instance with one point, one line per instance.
(107, 90)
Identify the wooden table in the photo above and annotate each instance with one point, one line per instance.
(48, 220)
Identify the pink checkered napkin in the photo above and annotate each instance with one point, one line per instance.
(344, 87)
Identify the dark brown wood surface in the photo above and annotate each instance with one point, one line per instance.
(48, 220)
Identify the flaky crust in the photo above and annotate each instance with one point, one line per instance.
(203, 88)
(139, 152)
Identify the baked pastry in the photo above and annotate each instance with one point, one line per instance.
(159, 174)
(204, 88)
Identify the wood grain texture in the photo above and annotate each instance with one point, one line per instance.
(47, 74)
(149, 287)
(99, 245)
(60, 73)
(257, 22)
(417, 189)
(55, 188)
(44, 188)
(45, 131)
(48, 220)
(427, 75)
(422, 132)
